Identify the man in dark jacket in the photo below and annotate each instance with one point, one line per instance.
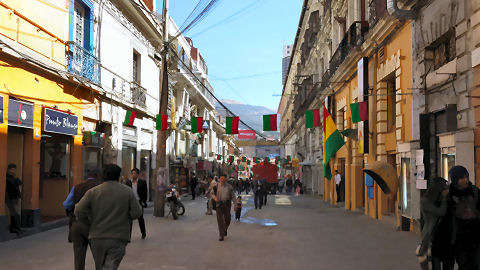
(140, 190)
(193, 185)
(79, 231)
(258, 191)
(464, 205)
(12, 196)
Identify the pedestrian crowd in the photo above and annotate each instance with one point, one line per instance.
(450, 221)
(102, 208)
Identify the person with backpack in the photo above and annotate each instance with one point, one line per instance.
(464, 207)
(433, 208)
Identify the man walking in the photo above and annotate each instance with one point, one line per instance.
(258, 193)
(224, 198)
(193, 185)
(12, 197)
(109, 209)
(139, 187)
(338, 181)
(79, 231)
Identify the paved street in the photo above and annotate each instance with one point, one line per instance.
(310, 235)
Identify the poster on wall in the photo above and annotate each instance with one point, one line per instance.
(1, 110)
(20, 113)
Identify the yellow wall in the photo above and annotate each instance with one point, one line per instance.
(39, 26)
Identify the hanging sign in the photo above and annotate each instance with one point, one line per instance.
(1, 110)
(206, 124)
(60, 122)
(246, 135)
(20, 113)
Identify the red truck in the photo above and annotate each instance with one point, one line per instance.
(267, 172)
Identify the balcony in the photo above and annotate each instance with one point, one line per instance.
(376, 10)
(139, 95)
(83, 63)
(353, 38)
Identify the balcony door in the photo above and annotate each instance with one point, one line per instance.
(79, 24)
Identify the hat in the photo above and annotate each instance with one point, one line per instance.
(457, 172)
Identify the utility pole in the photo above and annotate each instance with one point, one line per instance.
(161, 161)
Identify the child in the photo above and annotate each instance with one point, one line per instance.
(238, 208)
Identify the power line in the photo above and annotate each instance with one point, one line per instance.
(208, 90)
(246, 76)
(234, 16)
(198, 18)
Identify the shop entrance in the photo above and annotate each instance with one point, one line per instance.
(390, 200)
(341, 170)
(15, 142)
(145, 170)
(55, 182)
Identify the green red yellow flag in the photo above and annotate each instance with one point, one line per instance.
(332, 141)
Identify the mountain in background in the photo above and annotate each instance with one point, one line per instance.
(250, 114)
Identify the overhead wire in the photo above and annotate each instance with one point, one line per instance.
(227, 110)
(233, 17)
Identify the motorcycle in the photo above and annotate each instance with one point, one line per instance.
(176, 206)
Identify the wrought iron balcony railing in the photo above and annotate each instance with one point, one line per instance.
(139, 95)
(376, 10)
(353, 38)
(83, 63)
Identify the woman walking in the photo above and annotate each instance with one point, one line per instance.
(433, 207)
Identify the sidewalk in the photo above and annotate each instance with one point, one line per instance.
(309, 234)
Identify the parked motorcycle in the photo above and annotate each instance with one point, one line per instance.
(176, 206)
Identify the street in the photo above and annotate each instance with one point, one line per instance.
(289, 233)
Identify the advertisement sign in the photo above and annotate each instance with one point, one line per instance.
(206, 124)
(246, 135)
(20, 113)
(1, 110)
(60, 122)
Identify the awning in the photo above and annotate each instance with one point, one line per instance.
(384, 174)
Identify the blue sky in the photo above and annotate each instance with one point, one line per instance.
(250, 44)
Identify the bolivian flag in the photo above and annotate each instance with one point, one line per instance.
(332, 141)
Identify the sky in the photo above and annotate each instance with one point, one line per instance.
(244, 53)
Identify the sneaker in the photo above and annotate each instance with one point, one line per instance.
(221, 238)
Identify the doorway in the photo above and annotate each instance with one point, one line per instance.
(341, 170)
(15, 147)
(390, 200)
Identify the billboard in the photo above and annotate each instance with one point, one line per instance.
(246, 135)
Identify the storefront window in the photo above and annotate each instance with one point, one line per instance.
(405, 186)
(55, 154)
(92, 159)
(448, 161)
(129, 159)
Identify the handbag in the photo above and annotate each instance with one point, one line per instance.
(214, 205)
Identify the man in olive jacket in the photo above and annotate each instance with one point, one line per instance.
(109, 210)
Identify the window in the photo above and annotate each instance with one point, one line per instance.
(136, 67)
(81, 23)
(448, 161)
(391, 104)
(441, 51)
(55, 156)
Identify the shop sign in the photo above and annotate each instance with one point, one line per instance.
(60, 122)
(246, 135)
(1, 110)
(206, 124)
(20, 113)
